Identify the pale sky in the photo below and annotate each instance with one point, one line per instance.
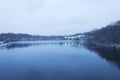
(56, 17)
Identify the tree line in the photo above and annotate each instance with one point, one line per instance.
(109, 34)
(26, 37)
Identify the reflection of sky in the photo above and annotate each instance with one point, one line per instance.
(56, 16)
(54, 62)
(112, 57)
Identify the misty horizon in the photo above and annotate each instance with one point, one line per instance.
(58, 34)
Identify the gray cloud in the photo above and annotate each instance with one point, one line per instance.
(56, 16)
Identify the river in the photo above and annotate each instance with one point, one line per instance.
(58, 60)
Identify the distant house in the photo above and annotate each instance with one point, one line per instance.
(74, 37)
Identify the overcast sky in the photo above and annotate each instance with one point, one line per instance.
(56, 17)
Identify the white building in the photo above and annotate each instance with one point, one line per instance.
(74, 37)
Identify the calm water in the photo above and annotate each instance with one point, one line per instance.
(58, 60)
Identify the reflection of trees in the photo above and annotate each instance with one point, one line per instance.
(74, 43)
(28, 44)
(10, 46)
(111, 54)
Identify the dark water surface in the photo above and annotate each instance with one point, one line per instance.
(58, 60)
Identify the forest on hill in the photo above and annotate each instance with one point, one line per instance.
(106, 35)
(26, 37)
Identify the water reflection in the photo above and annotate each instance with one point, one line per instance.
(58, 60)
(23, 44)
(34, 74)
(111, 54)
